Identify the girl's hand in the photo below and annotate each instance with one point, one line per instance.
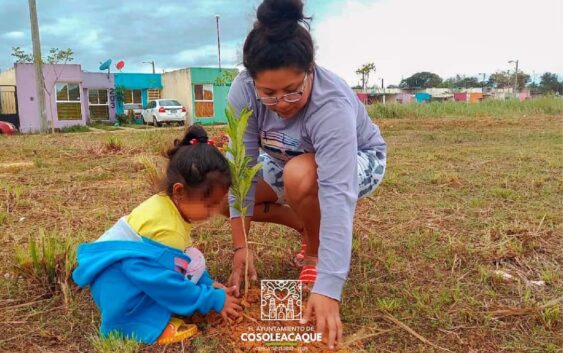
(327, 312)
(218, 285)
(239, 261)
(231, 307)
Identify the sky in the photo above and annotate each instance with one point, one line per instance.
(401, 37)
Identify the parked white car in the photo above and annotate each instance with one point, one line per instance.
(163, 111)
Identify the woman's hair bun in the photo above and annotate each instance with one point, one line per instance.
(280, 18)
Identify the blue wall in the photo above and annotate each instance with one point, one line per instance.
(422, 97)
(137, 81)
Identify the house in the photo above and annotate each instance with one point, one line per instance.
(8, 101)
(135, 90)
(404, 98)
(469, 97)
(72, 97)
(202, 90)
(423, 97)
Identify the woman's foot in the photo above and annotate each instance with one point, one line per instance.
(176, 331)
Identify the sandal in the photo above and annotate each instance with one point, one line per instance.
(176, 331)
(308, 275)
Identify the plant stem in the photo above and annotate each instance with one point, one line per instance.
(246, 284)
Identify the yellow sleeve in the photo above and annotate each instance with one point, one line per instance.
(158, 219)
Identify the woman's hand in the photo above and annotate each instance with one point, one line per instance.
(239, 261)
(327, 312)
(232, 305)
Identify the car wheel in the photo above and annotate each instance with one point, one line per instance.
(155, 122)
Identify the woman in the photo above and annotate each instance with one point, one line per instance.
(320, 153)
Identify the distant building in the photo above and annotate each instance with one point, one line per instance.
(72, 97)
(202, 90)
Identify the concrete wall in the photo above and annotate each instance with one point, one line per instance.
(27, 97)
(177, 85)
(203, 75)
(137, 81)
(8, 77)
(98, 80)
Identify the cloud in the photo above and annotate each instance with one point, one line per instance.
(13, 35)
(443, 36)
(400, 36)
(133, 31)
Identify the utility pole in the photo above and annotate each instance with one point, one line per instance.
(483, 80)
(515, 75)
(38, 63)
(150, 62)
(383, 88)
(218, 41)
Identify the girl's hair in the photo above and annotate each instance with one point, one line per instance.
(280, 38)
(199, 166)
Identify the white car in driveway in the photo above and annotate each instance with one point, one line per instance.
(164, 111)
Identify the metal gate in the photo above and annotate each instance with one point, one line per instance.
(9, 105)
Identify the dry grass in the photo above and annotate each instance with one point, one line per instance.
(460, 248)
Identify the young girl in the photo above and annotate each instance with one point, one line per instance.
(143, 270)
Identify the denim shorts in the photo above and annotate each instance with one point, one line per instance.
(371, 168)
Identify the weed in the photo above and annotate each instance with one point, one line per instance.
(47, 261)
(115, 343)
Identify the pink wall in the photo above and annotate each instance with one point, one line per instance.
(72, 73)
(27, 96)
(98, 80)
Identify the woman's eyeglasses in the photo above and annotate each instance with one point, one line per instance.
(292, 97)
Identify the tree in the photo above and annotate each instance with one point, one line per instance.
(550, 84)
(56, 56)
(461, 82)
(21, 56)
(523, 79)
(364, 71)
(423, 79)
(501, 79)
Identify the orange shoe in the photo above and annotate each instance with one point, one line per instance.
(176, 331)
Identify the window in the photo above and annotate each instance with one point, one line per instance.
(98, 99)
(153, 94)
(204, 101)
(169, 103)
(132, 96)
(132, 99)
(68, 101)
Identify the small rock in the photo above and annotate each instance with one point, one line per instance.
(537, 283)
(503, 275)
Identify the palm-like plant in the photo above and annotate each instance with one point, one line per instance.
(241, 173)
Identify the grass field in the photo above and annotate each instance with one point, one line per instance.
(487, 108)
(461, 245)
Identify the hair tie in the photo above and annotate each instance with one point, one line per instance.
(211, 142)
(194, 141)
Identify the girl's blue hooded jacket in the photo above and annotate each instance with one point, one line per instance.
(138, 283)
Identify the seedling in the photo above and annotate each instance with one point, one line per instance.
(241, 173)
